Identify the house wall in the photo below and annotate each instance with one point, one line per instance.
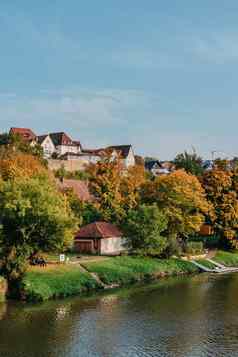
(62, 149)
(112, 245)
(84, 246)
(69, 165)
(130, 160)
(48, 147)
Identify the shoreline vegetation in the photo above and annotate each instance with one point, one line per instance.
(52, 282)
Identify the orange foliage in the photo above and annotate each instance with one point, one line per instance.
(182, 198)
(17, 165)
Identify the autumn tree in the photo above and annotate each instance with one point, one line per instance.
(15, 143)
(131, 183)
(17, 164)
(181, 197)
(105, 186)
(222, 191)
(34, 217)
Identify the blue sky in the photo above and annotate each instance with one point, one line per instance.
(162, 75)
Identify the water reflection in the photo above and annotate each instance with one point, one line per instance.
(177, 317)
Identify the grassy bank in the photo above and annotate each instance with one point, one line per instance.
(40, 284)
(126, 270)
(227, 258)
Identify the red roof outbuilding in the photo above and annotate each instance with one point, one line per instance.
(99, 230)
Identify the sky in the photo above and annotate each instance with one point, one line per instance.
(160, 75)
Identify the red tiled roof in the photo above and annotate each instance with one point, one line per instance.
(25, 133)
(63, 139)
(80, 188)
(99, 230)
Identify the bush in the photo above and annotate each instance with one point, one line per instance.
(194, 248)
(212, 241)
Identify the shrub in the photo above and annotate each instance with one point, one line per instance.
(194, 248)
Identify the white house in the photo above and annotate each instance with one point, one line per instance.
(58, 143)
(126, 153)
(47, 145)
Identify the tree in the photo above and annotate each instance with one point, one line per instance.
(222, 191)
(34, 217)
(181, 197)
(191, 163)
(105, 186)
(15, 143)
(85, 212)
(143, 227)
(17, 164)
(130, 186)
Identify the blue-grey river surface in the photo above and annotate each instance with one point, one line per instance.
(185, 316)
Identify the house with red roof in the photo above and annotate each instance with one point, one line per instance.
(26, 134)
(99, 238)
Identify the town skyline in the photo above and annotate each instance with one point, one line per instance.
(164, 82)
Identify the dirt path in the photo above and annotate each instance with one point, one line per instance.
(211, 254)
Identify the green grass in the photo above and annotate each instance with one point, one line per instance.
(206, 263)
(126, 270)
(61, 281)
(227, 258)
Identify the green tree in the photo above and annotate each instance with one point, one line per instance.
(143, 227)
(191, 163)
(34, 217)
(85, 212)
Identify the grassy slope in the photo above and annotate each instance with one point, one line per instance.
(227, 258)
(206, 263)
(125, 270)
(42, 284)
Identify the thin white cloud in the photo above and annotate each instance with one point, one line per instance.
(219, 48)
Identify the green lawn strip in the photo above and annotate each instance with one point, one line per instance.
(60, 282)
(206, 263)
(125, 270)
(227, 258)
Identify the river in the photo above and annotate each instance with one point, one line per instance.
(184, 316)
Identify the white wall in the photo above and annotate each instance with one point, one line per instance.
(112, 245)
(62, 149)
(48, 147)
(130, 160)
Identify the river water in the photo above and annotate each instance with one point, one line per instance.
(185, 316)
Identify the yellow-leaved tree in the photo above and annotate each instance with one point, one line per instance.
(222, 192)
(181, 197)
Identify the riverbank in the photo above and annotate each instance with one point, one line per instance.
(59, 281)
(41, 284)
